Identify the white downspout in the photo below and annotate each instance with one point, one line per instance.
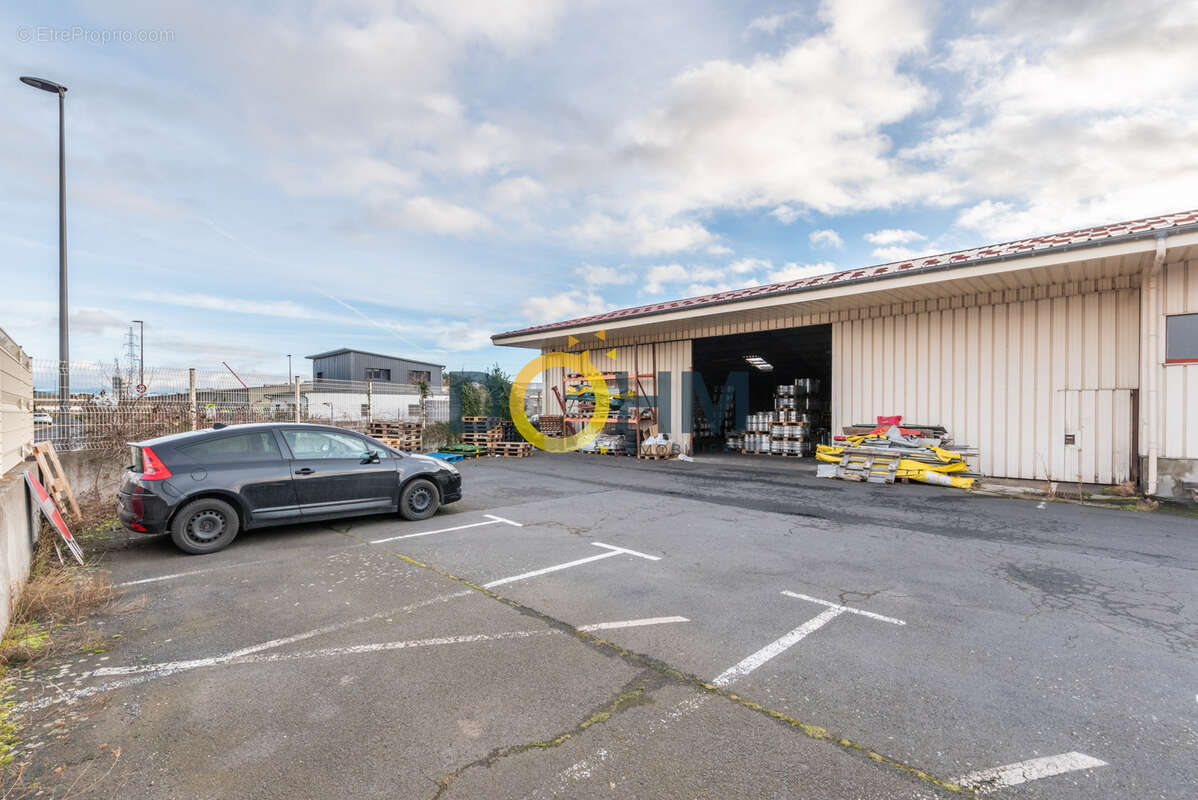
(1151, 300)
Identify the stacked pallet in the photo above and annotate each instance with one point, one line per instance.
(481, 430)
(510, 449)
(551, 424)
(400, 435)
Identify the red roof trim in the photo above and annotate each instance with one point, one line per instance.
(990, 252)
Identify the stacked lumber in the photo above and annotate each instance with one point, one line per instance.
(889, 453)
(400, 435)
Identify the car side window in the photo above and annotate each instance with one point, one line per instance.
(324, 444)
(258, 446)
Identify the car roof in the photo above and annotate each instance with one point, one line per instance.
(202, 433)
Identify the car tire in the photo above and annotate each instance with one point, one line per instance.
(419, 499)
(205, 526)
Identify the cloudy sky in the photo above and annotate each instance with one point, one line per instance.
(413, 176)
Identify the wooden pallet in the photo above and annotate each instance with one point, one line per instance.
(54, 478)
(755, 452)
(511, 449)
(405, 443)
(489, 437)
(390, 428)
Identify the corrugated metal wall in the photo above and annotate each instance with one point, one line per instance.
(16, 404)
(1179, 382)
(1009, 378)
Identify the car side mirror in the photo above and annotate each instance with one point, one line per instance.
(372, 457)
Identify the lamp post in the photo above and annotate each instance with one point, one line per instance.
(290, 377)
(64, 350)
(141, 359)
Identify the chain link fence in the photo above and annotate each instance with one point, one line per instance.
(109, 405)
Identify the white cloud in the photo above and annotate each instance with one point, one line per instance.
(565, 305)
(786, 214)
(792, 133)
(899, 253)
(894, 236)
(825, 238)
(433, 215)
(673, 239)
(516, 191)
(657, 277)
(606, 276)
(744, 266)
(795, 272)
(772, 23)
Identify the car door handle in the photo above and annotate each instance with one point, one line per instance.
(305, 471)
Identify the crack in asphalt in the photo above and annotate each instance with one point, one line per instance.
(634, 693)
(674, 675)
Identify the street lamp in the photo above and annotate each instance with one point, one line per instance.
(64, 350)
(141, 359)
(290, 377)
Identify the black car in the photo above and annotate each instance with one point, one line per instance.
(205, 486)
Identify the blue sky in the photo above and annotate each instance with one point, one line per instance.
(411, 177)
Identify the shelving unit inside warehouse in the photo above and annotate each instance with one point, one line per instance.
(632, 417)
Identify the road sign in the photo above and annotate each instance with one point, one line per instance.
(141, 388)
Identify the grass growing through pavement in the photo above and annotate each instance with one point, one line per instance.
(52, 612)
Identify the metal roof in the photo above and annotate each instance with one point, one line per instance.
(341, 350)
(1097, 235)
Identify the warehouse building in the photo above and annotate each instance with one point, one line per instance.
(1071, 357)
(345, 364)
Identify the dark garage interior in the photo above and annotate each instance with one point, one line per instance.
(780, 357)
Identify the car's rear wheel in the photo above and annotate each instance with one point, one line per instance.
(419, 499)
(204, 526)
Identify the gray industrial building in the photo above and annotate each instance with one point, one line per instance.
(345, 364)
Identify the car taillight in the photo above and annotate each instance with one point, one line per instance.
(152, 467)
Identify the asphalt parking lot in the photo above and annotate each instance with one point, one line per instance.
(580, 626)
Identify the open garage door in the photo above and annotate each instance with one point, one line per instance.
(770, 359)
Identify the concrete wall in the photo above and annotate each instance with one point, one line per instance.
(90, 472)
(16, 538)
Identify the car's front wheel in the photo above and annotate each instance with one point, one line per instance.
(204, 526)
(419, 499)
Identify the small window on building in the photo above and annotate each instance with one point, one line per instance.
(366, 409)
(419, 375)
(375, 374)
(319, 375)
(1181, 338)
(413, 410)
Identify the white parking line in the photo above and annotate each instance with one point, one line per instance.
(631, 623)
(206, 570)
(493, 520)
(776, 647)
(987, 780)
(849, 609)
(583, 769)
(612, 551)
(141, 673)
